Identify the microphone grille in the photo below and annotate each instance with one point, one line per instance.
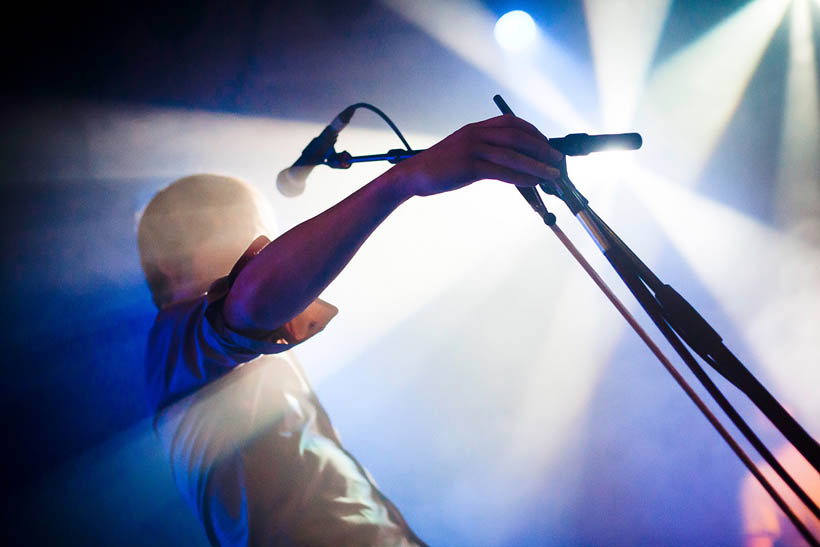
(288, 185)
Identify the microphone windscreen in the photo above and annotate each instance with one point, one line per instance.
(581, 144)
(291, 181)
(621, 141)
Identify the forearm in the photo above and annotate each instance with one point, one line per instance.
(294, 269)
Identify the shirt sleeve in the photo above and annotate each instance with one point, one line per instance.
(308, 323)
(191, 345)
(233, 341)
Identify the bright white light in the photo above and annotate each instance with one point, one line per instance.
(535, 83)
(736, 256)
(691, 97)
(515, 31)
(623, 41)
(797, 198)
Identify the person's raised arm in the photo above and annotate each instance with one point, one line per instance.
(294, 269)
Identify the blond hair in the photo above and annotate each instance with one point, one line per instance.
(185, 219)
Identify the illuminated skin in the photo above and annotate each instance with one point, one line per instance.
(293, 270)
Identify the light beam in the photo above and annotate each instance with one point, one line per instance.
(797, 196)
(623, 37)
(767, 282)
(691, 97)
(470, 39)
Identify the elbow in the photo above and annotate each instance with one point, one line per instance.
(257, 313)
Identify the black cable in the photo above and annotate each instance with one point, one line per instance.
(349, 111)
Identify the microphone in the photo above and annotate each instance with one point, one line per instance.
(291, 181)
(581, 144)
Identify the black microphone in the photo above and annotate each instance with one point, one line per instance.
(581, 144)
(291, 181)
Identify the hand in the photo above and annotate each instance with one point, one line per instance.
(504, 148)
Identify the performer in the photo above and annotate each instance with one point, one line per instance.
(251, 449)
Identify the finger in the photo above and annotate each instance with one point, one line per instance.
(489, 170)
(509, 120)
(524, 142)
(512, 159)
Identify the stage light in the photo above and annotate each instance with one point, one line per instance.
(537, 84)
(515, 31)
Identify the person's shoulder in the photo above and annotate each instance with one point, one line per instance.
(182, 308)
(166, 343)
(176, 315)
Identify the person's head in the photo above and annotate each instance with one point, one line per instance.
(193, 231)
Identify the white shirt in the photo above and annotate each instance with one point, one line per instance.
(252, 451)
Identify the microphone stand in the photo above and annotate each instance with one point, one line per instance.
(679, 322)
(670, 311)
(575, 144)
(343, 160)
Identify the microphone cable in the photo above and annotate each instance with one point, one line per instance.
(347, 113)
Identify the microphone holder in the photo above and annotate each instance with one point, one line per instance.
(343, 160)
(574, 144)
